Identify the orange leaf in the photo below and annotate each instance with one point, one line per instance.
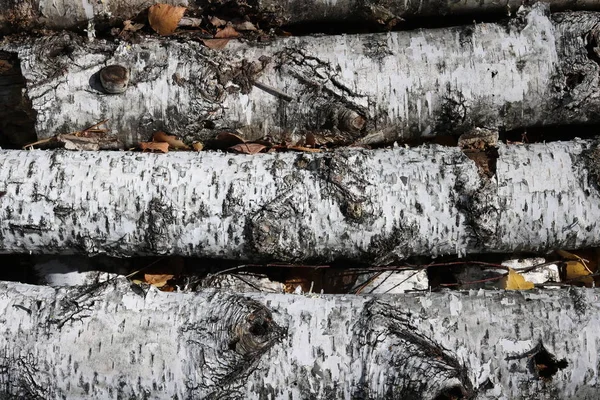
(248, 148)
(227, 32)
(163, 147)
(164, 18)
(198, 146)
(172, 140)
(158, 280)
(215, 44)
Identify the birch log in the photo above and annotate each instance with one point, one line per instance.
(371, 206)
(70, 14)
(370, 88)
(111, 342)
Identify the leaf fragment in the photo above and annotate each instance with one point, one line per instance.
(248, 148)
(164, 18)
(227, 33)
(215, 44)
(172, 140)
(198, 146)
(158, 280)
(162, 147)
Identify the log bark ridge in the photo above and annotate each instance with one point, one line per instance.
(369, 88)
(371, 206)
(110, 341)
(71, 14)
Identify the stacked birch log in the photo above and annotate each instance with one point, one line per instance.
(369, 199)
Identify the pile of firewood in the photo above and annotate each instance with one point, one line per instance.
(287, 199)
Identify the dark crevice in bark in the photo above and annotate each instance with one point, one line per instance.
(366, 25)
(475, 271)
(16, 113)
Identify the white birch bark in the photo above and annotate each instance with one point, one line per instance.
(109, 341)
(70, 14)
(371, 206)
(371, 88)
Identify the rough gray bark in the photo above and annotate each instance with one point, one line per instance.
(372, 206)
(70, 14)
(370, 88)
(109, 341)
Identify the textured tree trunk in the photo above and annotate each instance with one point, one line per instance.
(109, 341)
(372, 206)
(70, 14)
(368, 88)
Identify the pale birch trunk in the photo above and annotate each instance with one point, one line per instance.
(70, 14)
(531, 71)
(371, 206)
(109, 341)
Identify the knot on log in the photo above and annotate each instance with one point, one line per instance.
(225, 344)
(254, 333)
(416, 365)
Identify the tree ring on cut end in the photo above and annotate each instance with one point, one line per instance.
(114, 78)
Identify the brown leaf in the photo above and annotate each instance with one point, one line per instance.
(245, 26)
(164, 18)
(310, 139)
(198, 146)
(215, 44)
(172, 140)
(162, 147)
(227, 32)
(130, 27)
(217, 22)
(248, 148)
(158, 280)
(227, 139)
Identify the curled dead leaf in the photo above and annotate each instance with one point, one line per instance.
(162, 147)
(215, 44)
(128, 26)
(225, 140)
(172, 140)
(158, 280)
(245, 26)
(198, 146)
(164, 18)
(227, 33)
(248, 148)
(217, 22)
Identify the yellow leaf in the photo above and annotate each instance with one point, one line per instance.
(164, 18)
(198, 146)
(514, 281)
(578, 271)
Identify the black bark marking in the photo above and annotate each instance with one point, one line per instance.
(416, 364)
(236, 332)
(540, 362)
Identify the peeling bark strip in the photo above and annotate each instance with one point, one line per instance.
(69, 14)
(371, 206)
(110, 342)
(370, 88)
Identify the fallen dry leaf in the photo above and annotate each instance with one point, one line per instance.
(163, 147)
(131, 27)
(164, 18)
(227, 33)
(217, 22)
(158, 280)
(172, 140)
(514, 281)
(198, 146)
(215, 44)
(245, 26)
(225, 140)
(248, 148)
